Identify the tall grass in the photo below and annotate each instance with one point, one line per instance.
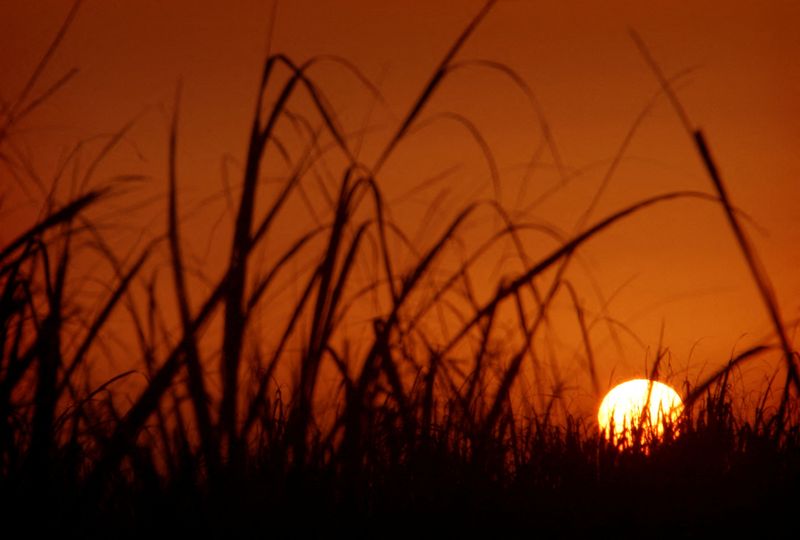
(412, 427)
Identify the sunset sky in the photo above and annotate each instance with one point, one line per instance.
(677, 263)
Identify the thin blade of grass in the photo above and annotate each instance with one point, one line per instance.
(754, 264)
(197, 388)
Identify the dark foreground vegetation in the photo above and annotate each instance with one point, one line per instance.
(423, 436)
(717, 477)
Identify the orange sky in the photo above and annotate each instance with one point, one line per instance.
(677, 263)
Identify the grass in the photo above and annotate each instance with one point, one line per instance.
(423, 424)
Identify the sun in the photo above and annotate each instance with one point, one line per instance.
(622, 410)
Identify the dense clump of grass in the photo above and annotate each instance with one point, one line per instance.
(413, 431)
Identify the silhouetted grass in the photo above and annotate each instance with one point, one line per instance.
(413, 437)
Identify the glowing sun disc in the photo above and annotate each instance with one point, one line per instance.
(623, 406)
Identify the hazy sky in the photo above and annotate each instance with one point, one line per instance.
(677, 264)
